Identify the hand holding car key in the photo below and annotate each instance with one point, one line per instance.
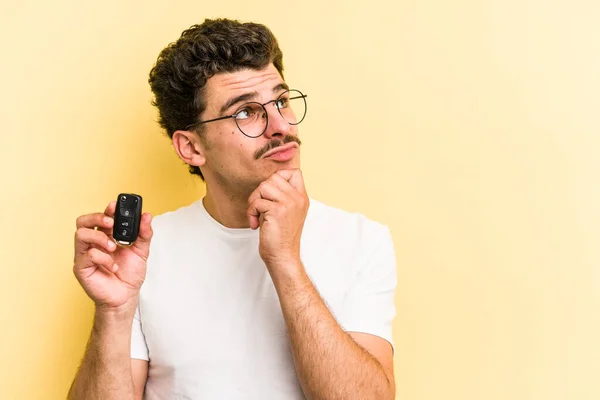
(111, 249)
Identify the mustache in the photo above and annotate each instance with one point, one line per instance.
(276, 143)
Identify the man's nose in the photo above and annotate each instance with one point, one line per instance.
(278, 126)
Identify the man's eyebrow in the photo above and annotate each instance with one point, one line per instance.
(249, 96)
(237, 99)
(281, 86)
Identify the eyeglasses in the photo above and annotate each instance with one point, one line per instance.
(252, 118)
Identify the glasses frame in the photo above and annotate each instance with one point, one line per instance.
(302, 96)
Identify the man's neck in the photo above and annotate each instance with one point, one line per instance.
(226, 208)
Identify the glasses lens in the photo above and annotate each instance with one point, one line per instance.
(251, 118)
(292, 106)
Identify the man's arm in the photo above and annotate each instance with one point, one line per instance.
(330, 364)
(107, 370)
(111, 276)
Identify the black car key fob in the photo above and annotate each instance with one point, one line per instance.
(127, 218)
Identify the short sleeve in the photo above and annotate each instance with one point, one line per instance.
(139, 349)
(369, 306)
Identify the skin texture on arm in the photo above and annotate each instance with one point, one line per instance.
(331, 364)
(381, 350)
(105, 372)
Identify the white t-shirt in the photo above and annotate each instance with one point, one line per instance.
(209, 320)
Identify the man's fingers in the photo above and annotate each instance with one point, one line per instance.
(267, 190)
(294, 177)
(142, 244)
(285, 173)
(86, 238)
(94, 220)
(281, 187)
(281, 183)
(145, 233)
(98, 258)
(275, 188)
(257, 207)
(110, 209)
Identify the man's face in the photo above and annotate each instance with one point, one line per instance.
(232, 159)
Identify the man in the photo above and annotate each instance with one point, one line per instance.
(255, 291)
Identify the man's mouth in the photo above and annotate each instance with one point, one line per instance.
(275, 146)
(282, 153)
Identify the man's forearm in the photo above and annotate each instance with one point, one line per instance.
(105, 372)
(329, 364)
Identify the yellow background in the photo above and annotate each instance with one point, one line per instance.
(470, 127)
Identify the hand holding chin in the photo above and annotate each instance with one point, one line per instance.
(279, 206)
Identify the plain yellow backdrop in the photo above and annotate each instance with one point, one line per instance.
(470, 127)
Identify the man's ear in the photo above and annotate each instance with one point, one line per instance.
(189, 148)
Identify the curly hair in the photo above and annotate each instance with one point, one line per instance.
(216, 46)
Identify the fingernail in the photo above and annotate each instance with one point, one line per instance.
(115, 267)
(107, 220)
(111, 244)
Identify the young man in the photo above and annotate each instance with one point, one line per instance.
(255, 291)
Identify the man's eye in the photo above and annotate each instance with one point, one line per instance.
(282, 103)
(244, 113)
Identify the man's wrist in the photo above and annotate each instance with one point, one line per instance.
(113, 317)
(287, 273)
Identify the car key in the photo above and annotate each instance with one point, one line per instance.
(127, 218)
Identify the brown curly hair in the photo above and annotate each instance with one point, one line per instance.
(182, 69)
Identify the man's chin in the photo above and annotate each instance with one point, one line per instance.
(269, 168)
(291, 164)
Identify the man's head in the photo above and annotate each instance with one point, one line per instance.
(211, 73)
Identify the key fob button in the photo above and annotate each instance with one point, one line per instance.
(125, 212)
(126, 223)
(125, 231)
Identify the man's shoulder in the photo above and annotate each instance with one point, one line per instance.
(349, 240)
(176, 219)
(323, 217)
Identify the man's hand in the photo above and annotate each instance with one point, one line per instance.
(279, 206)
(110, 275)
